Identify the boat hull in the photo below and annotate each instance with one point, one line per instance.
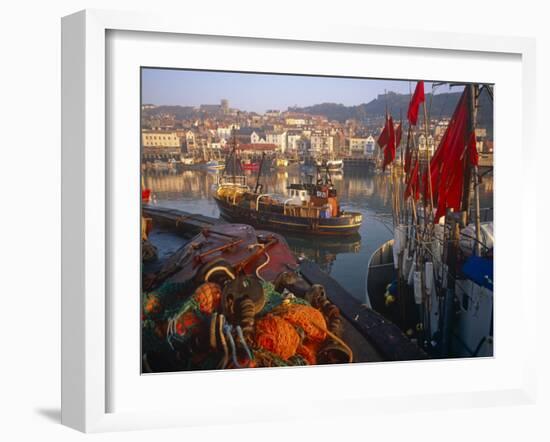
(472, 330)
(336, 226)
(380, 273)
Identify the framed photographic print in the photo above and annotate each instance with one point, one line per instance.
(289, 213)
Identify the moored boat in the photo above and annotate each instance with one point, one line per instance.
(335, 165)
(435, 278)
(469, 324)
(215, 164)
(311, 208)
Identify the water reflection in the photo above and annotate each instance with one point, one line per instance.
(346, 258)
(324, 251)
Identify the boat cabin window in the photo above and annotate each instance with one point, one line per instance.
(297, 193)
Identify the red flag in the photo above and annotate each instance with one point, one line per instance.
(417, 98)
(383, 138)
(413, 182)
(447, 164)
(398, 135)
(389, 151)
(472, 146)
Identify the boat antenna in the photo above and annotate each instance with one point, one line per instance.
(328, 177)
(235, 148)
(471, 94)
(259, 173)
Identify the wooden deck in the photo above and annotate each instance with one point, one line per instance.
(184, 223)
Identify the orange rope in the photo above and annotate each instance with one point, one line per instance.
(309, 319)
(277, 336)
(276, 332)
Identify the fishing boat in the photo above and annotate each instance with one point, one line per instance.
(434, 279)
(229, 296)
(215, 165)
(310, 208)
(187, 161)
(335, 165)
(159, 165)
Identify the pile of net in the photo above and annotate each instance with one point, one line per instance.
(246, 323)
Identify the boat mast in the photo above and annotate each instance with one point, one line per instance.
(474, 93)
(259, 173)
(470, 170)
(428, 160)
(470, 97)
(235, 148)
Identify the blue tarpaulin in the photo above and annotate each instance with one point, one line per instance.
(479, 270)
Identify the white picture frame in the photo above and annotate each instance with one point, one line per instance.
(85, 215)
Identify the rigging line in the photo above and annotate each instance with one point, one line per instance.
(384, 224)
(443, 242)
(447, 272)
(489, 90)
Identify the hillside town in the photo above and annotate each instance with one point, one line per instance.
(209, 130)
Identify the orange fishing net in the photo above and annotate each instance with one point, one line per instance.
(208, 296)
(277, 336)
(152, 304)
(187, 323)
(309, 319)
(309, 352)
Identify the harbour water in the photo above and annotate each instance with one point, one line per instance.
(345, 259)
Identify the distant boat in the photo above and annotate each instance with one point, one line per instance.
(331, 165)
(215, 164)
(160, 165)
(335, 165)
(187, 161)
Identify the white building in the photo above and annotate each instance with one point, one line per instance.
(255, 138)
(371, 146)
(277, 138)
(293, 142)
(321, 144)
(224, 132)
(358, 146)
(190, 140)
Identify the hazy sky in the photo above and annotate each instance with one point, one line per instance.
(260, 92)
